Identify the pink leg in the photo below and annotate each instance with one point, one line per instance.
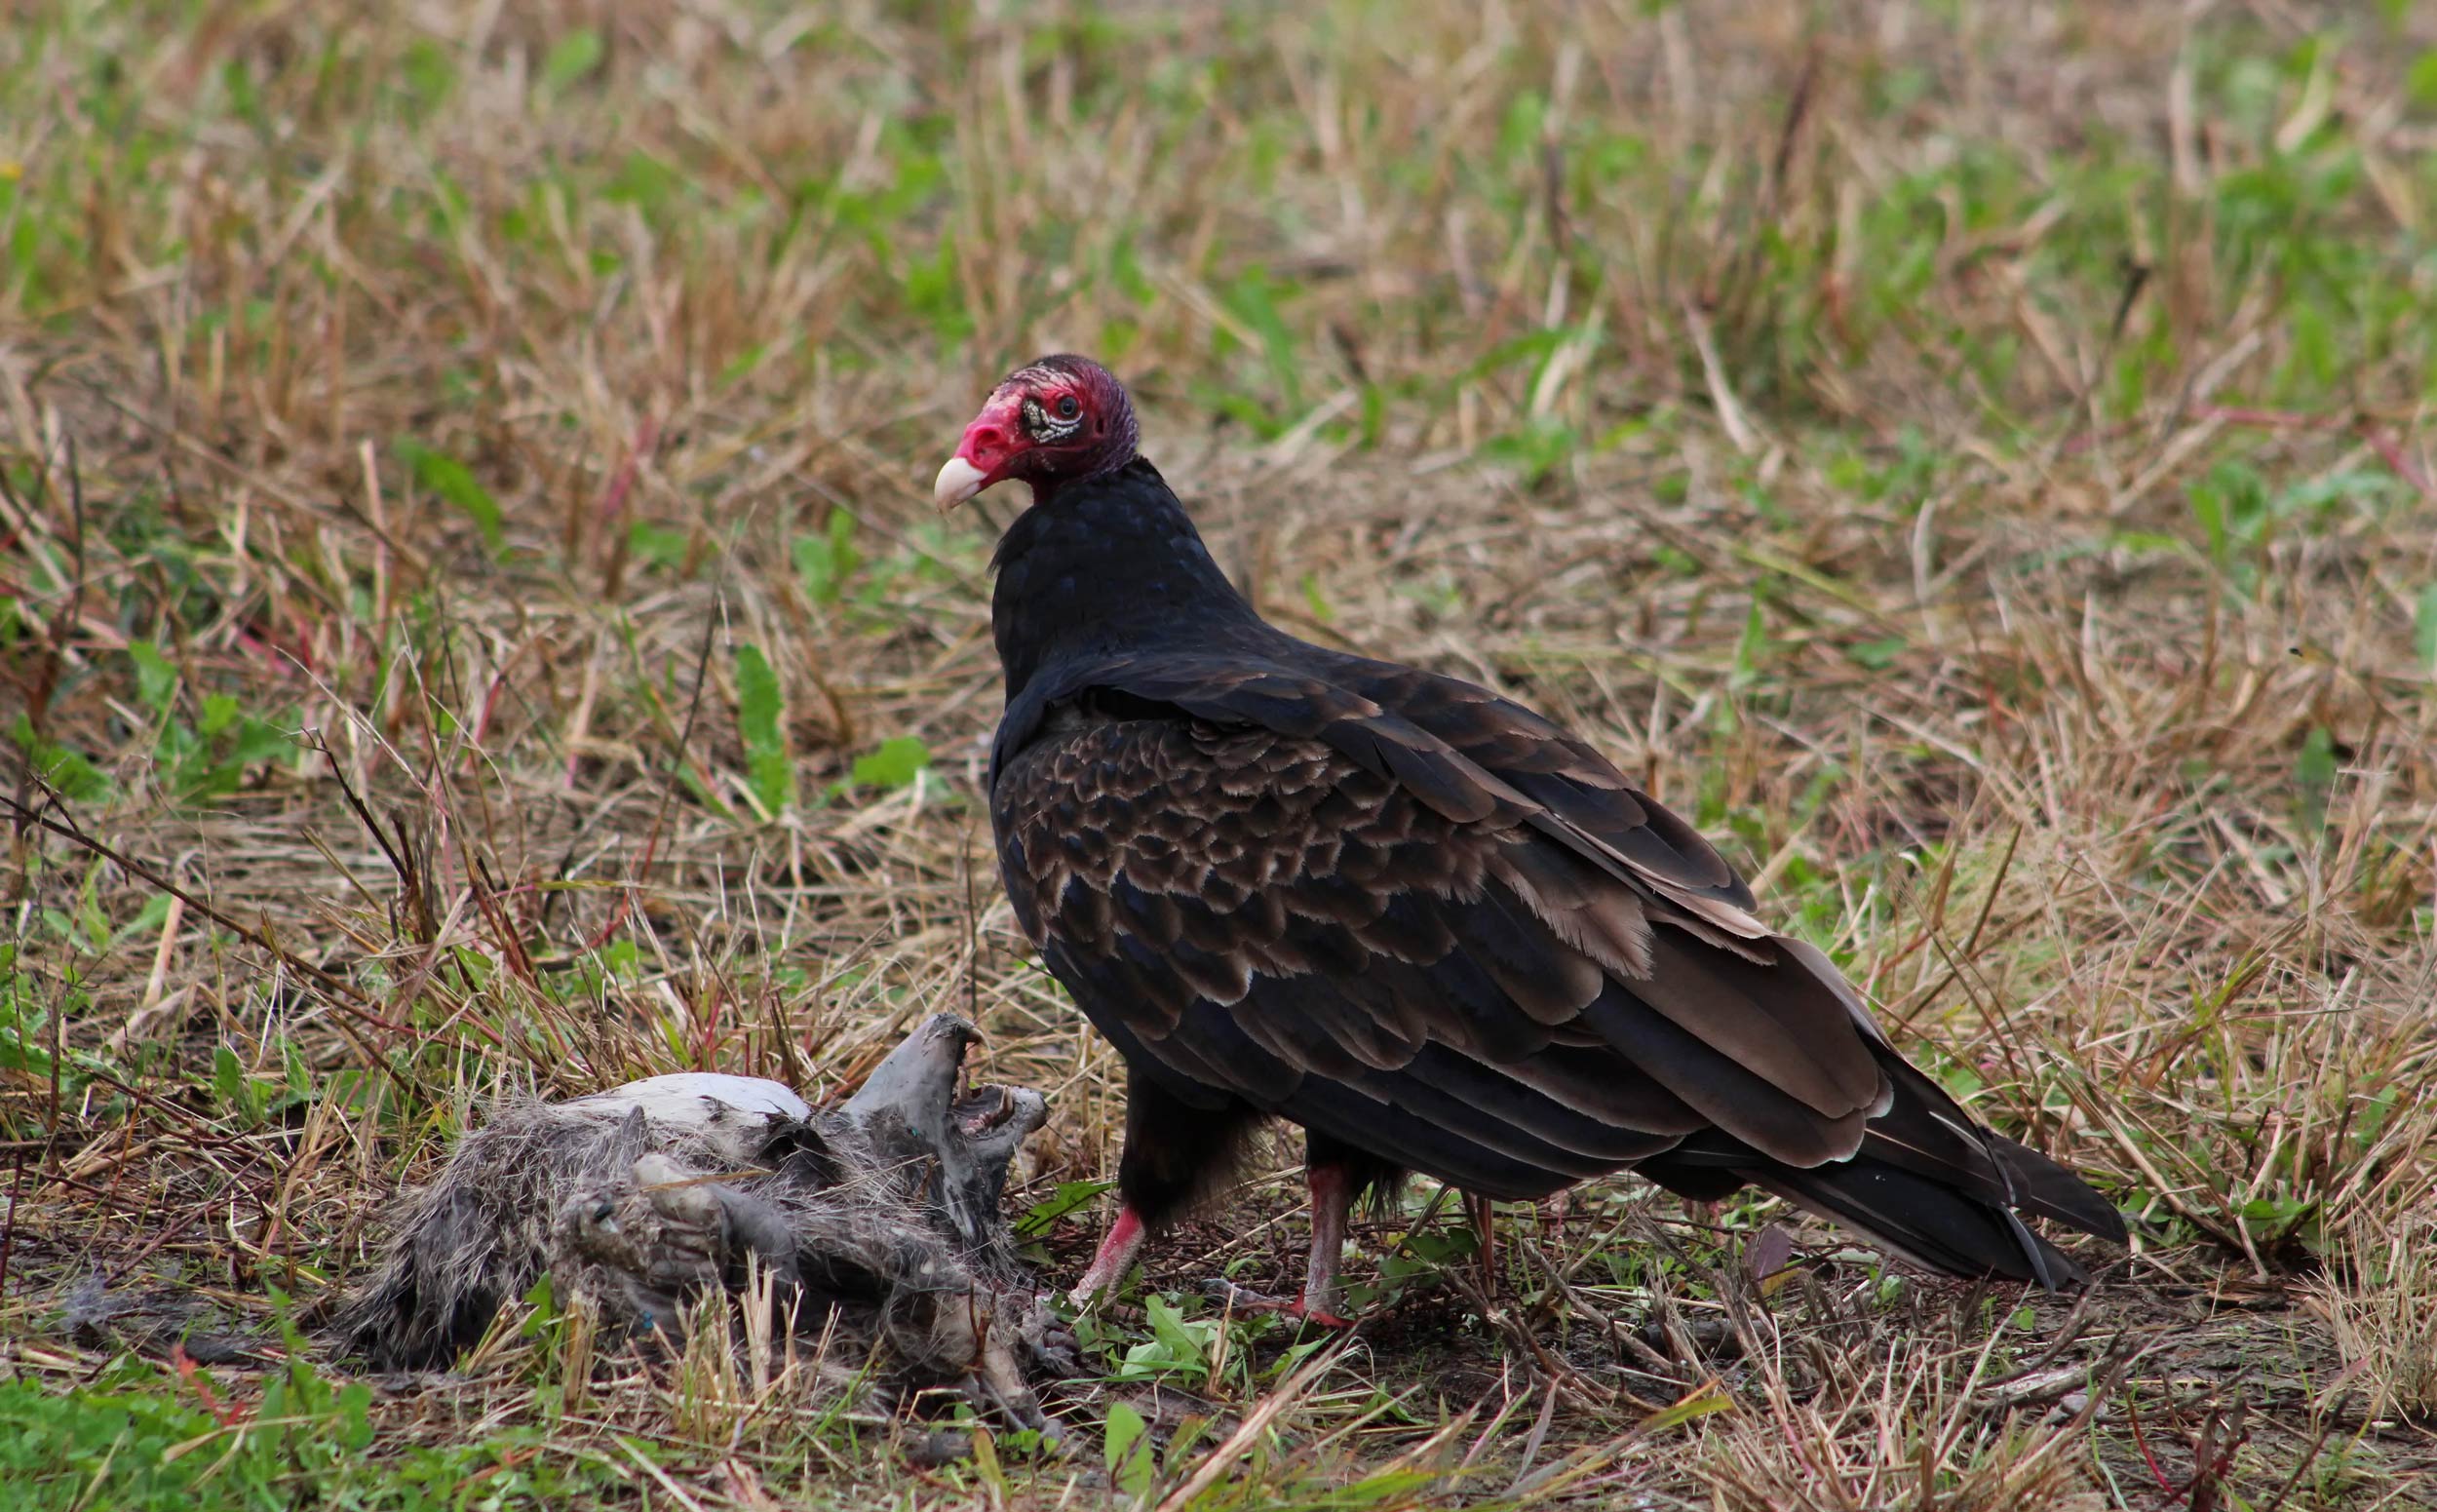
(1331, 1196)
(1116, 1253)
(1553, 1210)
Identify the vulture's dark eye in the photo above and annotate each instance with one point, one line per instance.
(1068, 407)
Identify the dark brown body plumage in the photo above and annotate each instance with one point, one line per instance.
(1436, 970)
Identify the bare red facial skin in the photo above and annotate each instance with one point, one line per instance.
(1059, 419)
(995, 435)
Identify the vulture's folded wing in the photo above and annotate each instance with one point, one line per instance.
(1262, 917)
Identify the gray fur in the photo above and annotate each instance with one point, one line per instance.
(878, 1221)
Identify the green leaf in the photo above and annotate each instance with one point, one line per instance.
(1069, 1198)
(571, 58)
(156, 681)
(78, 780)
(2421, 81)
(1374, 415)
(1702, 1403)
(659, 545)
(1187, 1343)
(355, 1412)
(542, 1298)
(1877, 655)
(146, 922)
(258, 741)
(1751, 649)
(427, 73)
(1534, 450)
(2313, 776)
(826, 560)
(643, 179)
(1124, 1445)
(1252, 299)
(1125, 270)
(770, 769)
(701, 793)
(1317, 600)
(894, 765)
(2311, 366)
(2148, 543)
(2376, 1110)
(455, 483)
(2425, 628)
(229, 1080)
(935, 291)
(2210, 511)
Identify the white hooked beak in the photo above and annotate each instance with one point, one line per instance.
(958, 480)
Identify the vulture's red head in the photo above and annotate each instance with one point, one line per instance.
(1051, 422)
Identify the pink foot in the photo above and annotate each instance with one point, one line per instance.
(1108, 1266)
(1238, 1298)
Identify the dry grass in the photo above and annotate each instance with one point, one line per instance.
(1972, 458)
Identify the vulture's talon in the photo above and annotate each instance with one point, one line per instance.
(1244, 1300)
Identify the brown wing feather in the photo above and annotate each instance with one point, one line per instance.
(1467, 753)
(1573, 784)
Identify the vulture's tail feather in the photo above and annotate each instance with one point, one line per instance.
(1932, 1220)
(1926, 1222)
(2049, 1191)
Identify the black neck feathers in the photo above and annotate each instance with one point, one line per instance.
(1104, 565)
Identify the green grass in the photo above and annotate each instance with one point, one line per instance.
(138, 1439)
(465, 551)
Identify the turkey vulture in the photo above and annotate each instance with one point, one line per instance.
(1414, 917)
